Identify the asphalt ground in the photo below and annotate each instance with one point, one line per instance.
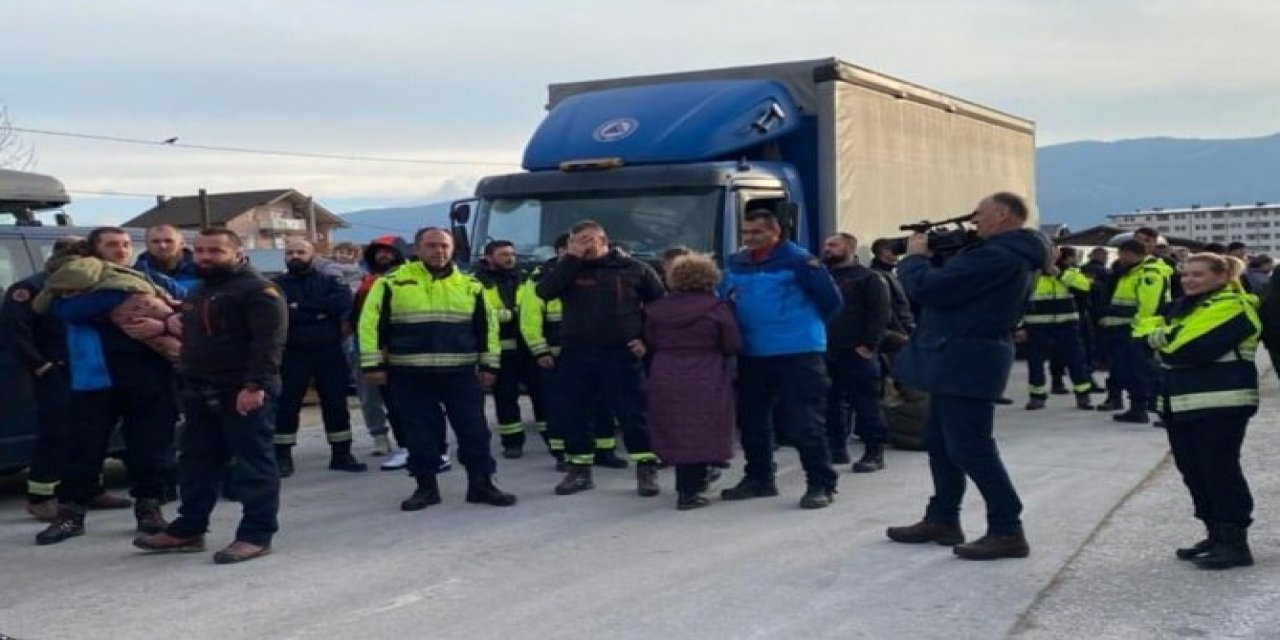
(1104, 510)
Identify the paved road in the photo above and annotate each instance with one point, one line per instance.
(610, 564)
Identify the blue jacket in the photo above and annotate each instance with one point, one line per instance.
(963, 343)
(184, 275)
(782, 302)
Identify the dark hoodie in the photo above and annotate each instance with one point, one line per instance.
(396, 244)
(969, 306)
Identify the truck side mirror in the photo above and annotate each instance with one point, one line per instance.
(460, 212)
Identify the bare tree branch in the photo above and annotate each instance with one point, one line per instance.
(15, 153)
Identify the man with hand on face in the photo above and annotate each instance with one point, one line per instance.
(233, 338)
(603, 294)
(318, 304)
(168, 255)
(502, 281)
(424, 330)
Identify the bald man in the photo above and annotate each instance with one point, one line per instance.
(318, 305)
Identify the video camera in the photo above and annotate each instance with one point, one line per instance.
(946, 237)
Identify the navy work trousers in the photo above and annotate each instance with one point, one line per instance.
(423, 399)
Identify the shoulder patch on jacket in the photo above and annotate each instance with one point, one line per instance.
(20, 294)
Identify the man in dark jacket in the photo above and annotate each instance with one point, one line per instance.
(783, 298)
(38, 343)
(603, 293)
(233, 337)
(853, 339)
(318, 304)
(961, 354)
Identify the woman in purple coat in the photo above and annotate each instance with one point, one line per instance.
(691, 333)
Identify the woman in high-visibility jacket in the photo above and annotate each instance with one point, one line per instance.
(1206, 343)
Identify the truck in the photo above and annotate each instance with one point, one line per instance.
(677, 159)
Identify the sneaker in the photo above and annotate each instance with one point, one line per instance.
(396, 461)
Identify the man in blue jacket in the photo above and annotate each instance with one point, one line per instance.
(168, 255)
(961, 353)
(318, 305)
(783, 297)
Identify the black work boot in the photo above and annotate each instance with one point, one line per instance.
(342, 460)
(68, 524)
(608, 459)
(513, 446)
(840, 454)
(1135, 415)
(576, 479)
(1083, 402)
(562, 465)
(872, 459)
(1036, 402)
(481, 490)
(816, 497)
(994, 547)
(149, 516)
(1110, 404)
(647, 479)
(690, 501)
(1230, 549)
(924, 531)
(284, 460)
(749, 488)
(1198, 549)
(427, 494)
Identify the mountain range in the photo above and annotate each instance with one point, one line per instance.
(1078, 183)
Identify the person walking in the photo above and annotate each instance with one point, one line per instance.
(1205, 343)
(691, 334)
(782, 298)
(233, 334)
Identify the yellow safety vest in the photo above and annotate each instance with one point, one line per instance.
(1206, 356)
(539, 319)
(1053, 300)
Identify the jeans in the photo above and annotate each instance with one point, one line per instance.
(958, 436)
(793, 389)
(217, 435)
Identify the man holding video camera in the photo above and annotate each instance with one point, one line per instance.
(961, 353)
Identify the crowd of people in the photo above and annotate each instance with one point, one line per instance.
(777, 346)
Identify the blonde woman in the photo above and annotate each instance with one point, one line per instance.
(1208, 392)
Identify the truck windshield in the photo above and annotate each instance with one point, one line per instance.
(645, 222)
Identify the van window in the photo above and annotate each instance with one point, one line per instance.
(14, 264)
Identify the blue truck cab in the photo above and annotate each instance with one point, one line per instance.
(677, 159)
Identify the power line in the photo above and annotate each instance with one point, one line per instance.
(265, 152)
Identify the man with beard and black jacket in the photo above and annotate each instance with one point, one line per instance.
(603, 294)
(502, 280)
(961, 354)
(318, 305)
(233, 336)
(853, 339)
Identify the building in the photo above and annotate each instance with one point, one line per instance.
(262, 219)
(1257, 225)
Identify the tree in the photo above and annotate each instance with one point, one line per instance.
(15, 153)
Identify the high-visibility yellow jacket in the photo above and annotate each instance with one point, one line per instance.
(501, 294)
(1206, 348)
(1139, 296)
(1053, 301)
(539, 319)
(413, 318)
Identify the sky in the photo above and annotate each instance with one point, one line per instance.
(466, 82)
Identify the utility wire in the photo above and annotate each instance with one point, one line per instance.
(265, 152)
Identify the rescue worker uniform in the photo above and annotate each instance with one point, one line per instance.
(115, 381)
(1052, 325)
(855, 380)
(540, 331)
(1140, 293)
(233, 334)
(318, 304)
(502, 292)
(1208, 392)
(602, 301)
(429, 330)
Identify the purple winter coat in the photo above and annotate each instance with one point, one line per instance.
(690, 387)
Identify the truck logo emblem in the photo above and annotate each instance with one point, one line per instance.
(615, 130)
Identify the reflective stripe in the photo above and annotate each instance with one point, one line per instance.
(1058, 318)
(432, 359)
(554, 316)
(540, 427)
(415, 317)
(1083, 387)
(508, 345)
(1037, 391)
(41, 488)
(1213, 400)
(606, 443)
(286, 438)
(556, 444)
(1111, 321)
(643, 457)
(335, 437)
(370, 358)
(581, 459)
(511, 428)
